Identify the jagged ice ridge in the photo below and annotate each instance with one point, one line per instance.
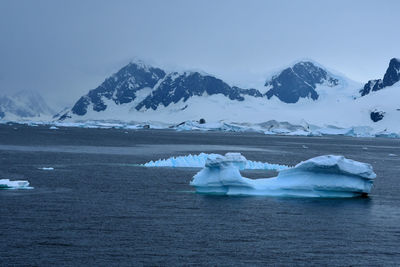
(199, 161)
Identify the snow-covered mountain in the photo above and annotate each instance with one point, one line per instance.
(299, 81)
(24, 105)
(143, 87)
(391, 77)
(303, 93)
(138, 89)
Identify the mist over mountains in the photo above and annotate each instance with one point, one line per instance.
(24, 104)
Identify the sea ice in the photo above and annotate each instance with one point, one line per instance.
(323, 176)
(199, 161)
(47, 168)
(7, 184)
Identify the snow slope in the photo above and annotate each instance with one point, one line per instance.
(338, 103)
(329, 109)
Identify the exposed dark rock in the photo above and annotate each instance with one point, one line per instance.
(176, 87)
(377, 115)
(391, 77)
(371, 85)
(120, 87)
(202, 121)
(65, 116)
(298, 82)
(392, 74)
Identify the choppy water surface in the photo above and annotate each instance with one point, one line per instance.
(98, 208)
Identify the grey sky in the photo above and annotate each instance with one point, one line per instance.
(65, 48)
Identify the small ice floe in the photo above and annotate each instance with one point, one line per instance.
(7, 184)
(46, 168)
(304, 146)
(365, 148)
(323, 176)
(199, 161)
(53, 128)
(392, 155)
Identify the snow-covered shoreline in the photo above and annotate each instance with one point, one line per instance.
(271, 127)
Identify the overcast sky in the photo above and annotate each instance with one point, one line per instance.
(64, 48)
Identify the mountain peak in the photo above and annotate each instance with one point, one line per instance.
(121, 87)
(299, 81)
(392, 76)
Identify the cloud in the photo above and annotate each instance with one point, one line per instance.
(65, 48)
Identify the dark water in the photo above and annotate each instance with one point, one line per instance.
(98, 209)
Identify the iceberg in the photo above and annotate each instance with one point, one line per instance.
(387, 134)
(323, 176)
(46, 168)
(7, 184)
(199, 161)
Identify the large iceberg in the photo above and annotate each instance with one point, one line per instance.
(199, 161)
(7, 184)
(323, 176)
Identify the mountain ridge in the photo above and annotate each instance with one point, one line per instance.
(391, 76)
(172, 87)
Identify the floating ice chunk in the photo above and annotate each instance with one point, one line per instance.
(392, 155)
(324, 176)
(47, 168)
(387, 134)
(299, 133)
(333, 131)
(199, 161)
(7, 184)
(53, 128)
(362, 131)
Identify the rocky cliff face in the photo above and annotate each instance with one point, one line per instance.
(120, 87)
(166, 88)
(176, 87)
(391, 77)
(299, 81)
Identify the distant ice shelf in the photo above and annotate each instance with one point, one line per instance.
(271, 127)
(199, 161)
(7, 184)
(323, 176)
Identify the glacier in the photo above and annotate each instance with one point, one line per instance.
(327, 176)
(7, 184)
(199, 161)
